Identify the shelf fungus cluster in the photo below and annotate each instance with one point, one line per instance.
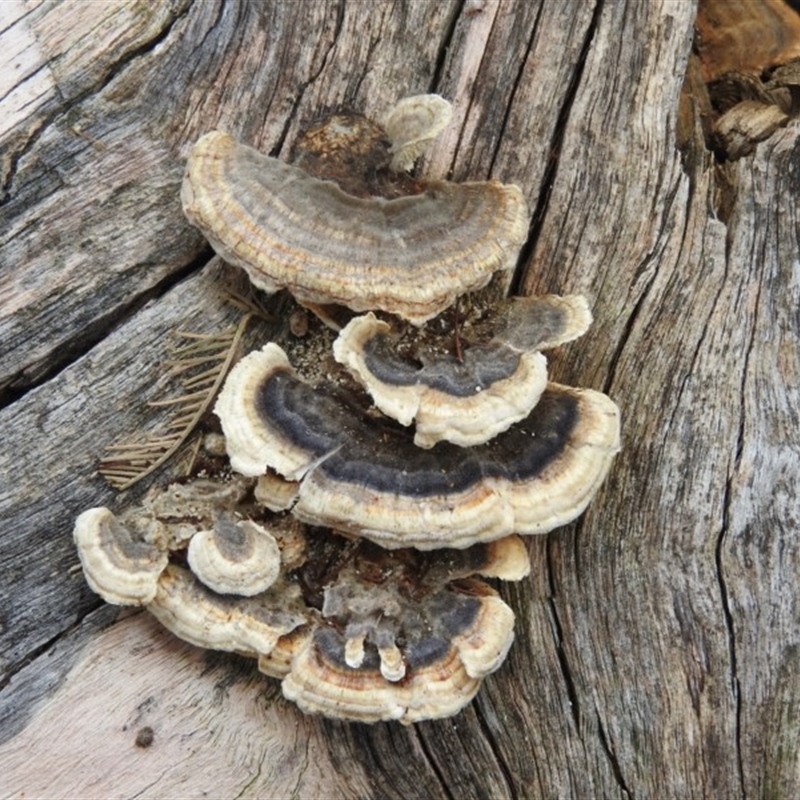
(345, 537)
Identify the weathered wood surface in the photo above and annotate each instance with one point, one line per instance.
(658, 637)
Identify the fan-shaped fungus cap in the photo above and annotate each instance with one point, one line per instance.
(204, 618)
(411, 256)
(235, 557)
(454, 641)
(470, 400)
(121, 567)
(465, 402)
(413, 124)
(365, 477)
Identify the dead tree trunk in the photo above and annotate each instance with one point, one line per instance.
(658, 637)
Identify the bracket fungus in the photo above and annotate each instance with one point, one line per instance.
(120, 566)
(412, 125)
(470, 400)
(445, 665)
(235, 557)
(348, 550)
(366, 477)
(411, 256)
(248, 625)
(403, 635)
(353, 630)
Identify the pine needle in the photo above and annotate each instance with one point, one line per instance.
(129, 461)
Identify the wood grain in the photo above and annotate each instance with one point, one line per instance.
(657, 637)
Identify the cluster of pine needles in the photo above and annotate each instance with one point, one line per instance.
(202, 361)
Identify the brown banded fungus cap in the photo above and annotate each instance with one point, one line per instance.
(122, 567)
(366, 477)
(403, 634)
(413, 124)
(455, 641)
(470, 400)
(235, 557)
(248, 625)
(410, 256)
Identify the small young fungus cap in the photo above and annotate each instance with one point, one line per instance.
(120, 566)
(235, 557)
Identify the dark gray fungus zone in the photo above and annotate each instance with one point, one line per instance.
(381, 455)
(483, 365)
(232, 541)
(425, 635)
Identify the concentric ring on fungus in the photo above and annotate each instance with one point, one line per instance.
(235, 557)
(120, 565)
(410, 256)
(366, 477)
(353, 631)
(467, 400)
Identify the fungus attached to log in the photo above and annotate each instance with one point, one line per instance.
(450, 642)
(120, 566)
(377, 611)
(411, 256)
(249, 625)
(366, 477)
(413, 124)
(470, 400)
(235, 557)
(402, 634)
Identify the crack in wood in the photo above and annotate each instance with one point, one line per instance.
(17, 702)
(627, 331)
(690, 371)
(467, 110)
(731, 635)
(298, 98)
(46, 647)
(446, 792)
(608, 750)
(35, 375)
(264, 753)
(444, 47)
(558, 639)
(727, 613)
(515, 87)
(502, 765)
(67, 106)
(554, 153)
(150, 785)
(17, 20)
(352, 92)
(301, 772)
